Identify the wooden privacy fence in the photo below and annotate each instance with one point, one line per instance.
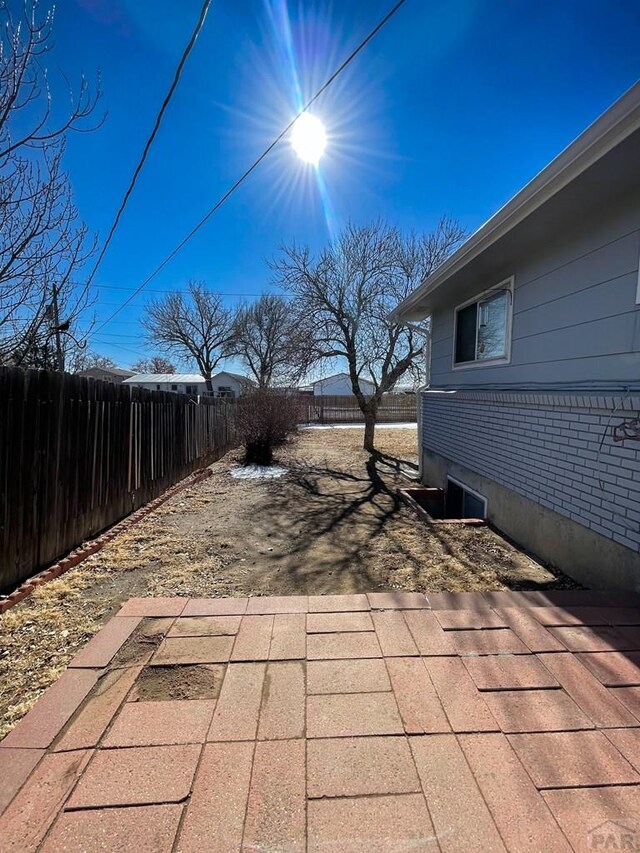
(394, 408)
(77, 455)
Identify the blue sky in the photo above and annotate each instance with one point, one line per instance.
(451, 109)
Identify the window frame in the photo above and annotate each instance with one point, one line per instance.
(471, 491)
(507, 285)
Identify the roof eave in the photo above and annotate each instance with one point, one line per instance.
(609, 130)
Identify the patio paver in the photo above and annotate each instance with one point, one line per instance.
(219, 796)
(181, 650)
(572, 760)
(288, 637)
(327, 623)
(379, 722)
(448, 783)
(145, 829)
(145, 774)
(158, 723)
(347, 676)
(370, 824)
(350, 714)
(39, 728)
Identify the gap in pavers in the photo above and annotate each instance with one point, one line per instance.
(178, 681)
(142, 642)
(429, 504)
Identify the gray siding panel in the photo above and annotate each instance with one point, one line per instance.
(619, 367)
(604, 336)
(575, 317)
(606, 299)
(603, 261)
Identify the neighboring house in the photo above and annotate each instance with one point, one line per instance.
(405, 388)
(339, 385)
(181, 383)
(227, 384)
(106, 374)
(535, 360)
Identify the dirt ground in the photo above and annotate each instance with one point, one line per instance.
(333, 524)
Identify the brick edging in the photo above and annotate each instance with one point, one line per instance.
(78, 555)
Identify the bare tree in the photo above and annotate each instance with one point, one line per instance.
(192, 326)
(271, 340)
(266, 419)
(350, 289)
(83, 360)
(43, 243)
(155, 364)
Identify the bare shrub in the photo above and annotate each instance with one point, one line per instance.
(267, 418)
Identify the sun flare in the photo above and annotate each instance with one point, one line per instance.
(309, 138)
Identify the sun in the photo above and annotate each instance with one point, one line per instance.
(309, 138)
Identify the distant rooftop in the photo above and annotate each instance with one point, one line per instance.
(116, 371)
(165, 378)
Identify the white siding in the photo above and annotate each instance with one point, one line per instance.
(339, 386)
(225, 381)
(168, 386)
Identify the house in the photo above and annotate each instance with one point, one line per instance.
(227, 384)
(182, 383)
(106, 374)
(530, 416)
(339, 385)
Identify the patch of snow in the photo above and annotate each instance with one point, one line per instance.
(258, 472)
(413, 425)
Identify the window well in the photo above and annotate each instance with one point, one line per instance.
(455, 505)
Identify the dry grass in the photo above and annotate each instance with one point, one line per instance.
(333, 525)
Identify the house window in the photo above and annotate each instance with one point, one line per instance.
(191, 389)
(174, 387)
(483, 327)
(462, 502)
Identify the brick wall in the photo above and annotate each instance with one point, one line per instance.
(546, 447)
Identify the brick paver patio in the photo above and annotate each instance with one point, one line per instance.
(381, 722)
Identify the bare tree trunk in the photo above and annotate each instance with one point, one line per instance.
(370, 414)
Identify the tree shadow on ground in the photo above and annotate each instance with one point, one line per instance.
(344, 529)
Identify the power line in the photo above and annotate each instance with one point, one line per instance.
(255, 163)
(107, 344)
(156, 127)
(118, 336)
(167, 290)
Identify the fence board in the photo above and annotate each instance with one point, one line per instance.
(77, 455)
(393, 408)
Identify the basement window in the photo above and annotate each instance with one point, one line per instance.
(482, 327)
(463, 502)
